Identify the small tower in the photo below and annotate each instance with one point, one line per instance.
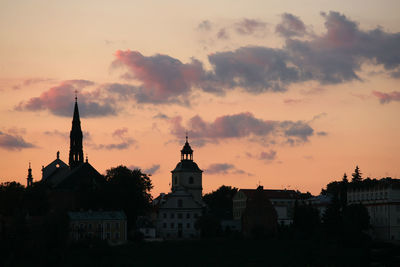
(76, 136)
(187, 174)
(29, 179)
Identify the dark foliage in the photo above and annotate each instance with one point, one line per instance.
(306, 219)
(356, 176)
(11, 198)
(128, 190)
(219, 202)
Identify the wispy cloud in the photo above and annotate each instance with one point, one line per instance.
(385, 98)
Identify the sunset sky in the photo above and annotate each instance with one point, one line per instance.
(286, 94)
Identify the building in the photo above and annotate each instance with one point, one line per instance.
(382, 200)
(283, 202)
(178, 211)
(65, 181)
(100, 225)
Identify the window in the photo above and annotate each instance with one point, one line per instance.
(180, 203)
(108, 236)
(164, 225)
(98, 226)
(175, 180)
(117, 225)
(191, 180)
(165, 215)
(108, 226)
(179, 215)
(116, 235)
(172, 215)
(90, 226)
(188, 225)
(172, 225)
(187, 215)
(195, 215)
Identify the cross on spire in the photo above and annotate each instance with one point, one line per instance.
(76, 95)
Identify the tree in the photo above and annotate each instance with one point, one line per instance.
(220, 203)
(128, 190)
(343, 191)
(355, 219)
(356, 175)
(11, 198)
(306, 218)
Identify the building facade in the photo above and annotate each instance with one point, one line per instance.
(382, 200)
(100, 225)
(178, 211)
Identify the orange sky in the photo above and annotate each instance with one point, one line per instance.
(280, 93)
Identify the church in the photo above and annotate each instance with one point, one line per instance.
(65, 181)
(178, 210)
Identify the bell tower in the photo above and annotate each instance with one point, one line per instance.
(187, 174)
(76, 149)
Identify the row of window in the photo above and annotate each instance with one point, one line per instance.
(172, 225)
(90, 236)
(90, 226)
(367, 196)
(179, 215)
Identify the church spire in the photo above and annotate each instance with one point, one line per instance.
(76, 149)
(29, 179)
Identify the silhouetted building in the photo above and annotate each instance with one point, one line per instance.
(100, 225)
(178, 211)
(382, 200)
(29, 179)
(67, 181)
(282, 200)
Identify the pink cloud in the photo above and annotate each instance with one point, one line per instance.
(56, 101)
(387, 97)
(291, 101)
(242, 125)
(164, 79)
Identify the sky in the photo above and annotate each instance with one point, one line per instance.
(286, 94)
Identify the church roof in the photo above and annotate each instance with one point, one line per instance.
(83, 176)
(186, 166)
(55, 171)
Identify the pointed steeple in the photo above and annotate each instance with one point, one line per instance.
(29, 178)
(76, 136)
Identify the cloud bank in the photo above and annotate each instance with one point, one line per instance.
(333, 57)
(243, 125)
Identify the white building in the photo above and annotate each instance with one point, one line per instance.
(382, 200)
(178, 211)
